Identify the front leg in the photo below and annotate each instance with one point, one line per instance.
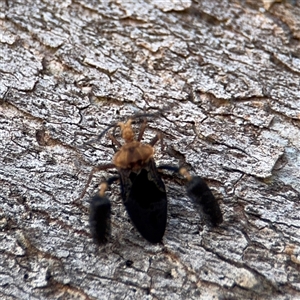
(142, 130)
(114, 141)
(158, 137)
(94, 170)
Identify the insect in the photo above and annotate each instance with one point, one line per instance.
(143, 190)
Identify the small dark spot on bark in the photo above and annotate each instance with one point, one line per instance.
(129, 263)
(48, 275)
(75, 177)
(40, 137)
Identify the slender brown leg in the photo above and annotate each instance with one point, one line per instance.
(114, 140)
(157, 137)
(94, 170)
(155, 140)
(142, 130)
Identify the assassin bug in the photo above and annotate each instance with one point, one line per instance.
(143, 190)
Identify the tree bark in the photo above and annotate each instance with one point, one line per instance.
(221, 77)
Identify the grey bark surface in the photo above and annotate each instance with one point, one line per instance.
(229, 74)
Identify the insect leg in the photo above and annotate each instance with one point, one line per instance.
(203, 198)
(142, 130)
(100, 215)
(94, 170)
(114, 141)
(200, 194)
(100, 209)
(157, 137)
(169, 168)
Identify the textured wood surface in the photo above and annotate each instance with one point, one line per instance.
(229, 74)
